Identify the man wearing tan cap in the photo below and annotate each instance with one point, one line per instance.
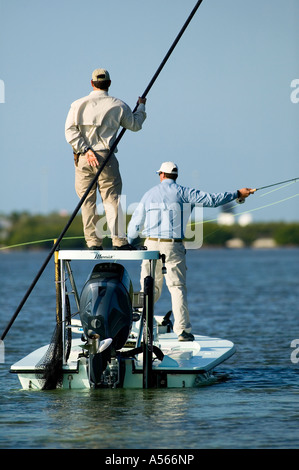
(161, 215)
(91, 128)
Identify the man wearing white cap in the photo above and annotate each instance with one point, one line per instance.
(91, 129)
(160, 214)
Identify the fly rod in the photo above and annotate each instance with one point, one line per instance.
(58, 240)
(276, 184)
(241, 200)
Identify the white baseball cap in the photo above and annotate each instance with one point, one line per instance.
(99, 75)
(168, 167)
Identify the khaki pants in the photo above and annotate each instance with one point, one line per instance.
(109, 184)
(175, 279)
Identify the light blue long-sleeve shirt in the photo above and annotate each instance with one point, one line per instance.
(164, 210)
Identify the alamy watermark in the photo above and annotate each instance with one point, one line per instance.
(295, 93)
(2, 91)
(295, 353)
(174, 221)
(2, 352)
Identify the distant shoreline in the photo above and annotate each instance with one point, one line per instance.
(36, 232)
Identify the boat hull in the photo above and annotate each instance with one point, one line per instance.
(121, 343)
(184, 365)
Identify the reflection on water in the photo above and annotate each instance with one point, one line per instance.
(121, 418)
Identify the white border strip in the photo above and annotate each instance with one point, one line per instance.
(97, 255)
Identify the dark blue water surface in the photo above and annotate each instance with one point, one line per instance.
(250, 297)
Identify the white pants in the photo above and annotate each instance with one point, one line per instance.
(175, 278)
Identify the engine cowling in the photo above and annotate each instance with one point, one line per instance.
(106, 312)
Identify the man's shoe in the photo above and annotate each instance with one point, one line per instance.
(128, 246)
(186, 336)
(95, 247)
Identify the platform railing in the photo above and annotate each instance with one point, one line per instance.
(66, 256)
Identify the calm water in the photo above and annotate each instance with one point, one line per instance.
(250, 297)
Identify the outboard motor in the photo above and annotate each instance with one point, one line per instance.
(106, 315)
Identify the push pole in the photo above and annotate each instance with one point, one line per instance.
(55, 246)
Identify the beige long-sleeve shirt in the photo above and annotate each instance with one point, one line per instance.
(93, 121)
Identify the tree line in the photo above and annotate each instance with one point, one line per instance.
(26, 231)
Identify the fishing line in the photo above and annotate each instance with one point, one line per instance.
(37, 241)
(195, 223)
(268, 205)
(241, 200)
(276, 189)
(240, 213)
(250, 210)
(276, 184)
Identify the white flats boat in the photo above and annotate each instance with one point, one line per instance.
(116, 341)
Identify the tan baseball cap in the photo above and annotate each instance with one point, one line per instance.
(168, 167)
(100, 75)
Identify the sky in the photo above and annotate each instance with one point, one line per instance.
(225, 107)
